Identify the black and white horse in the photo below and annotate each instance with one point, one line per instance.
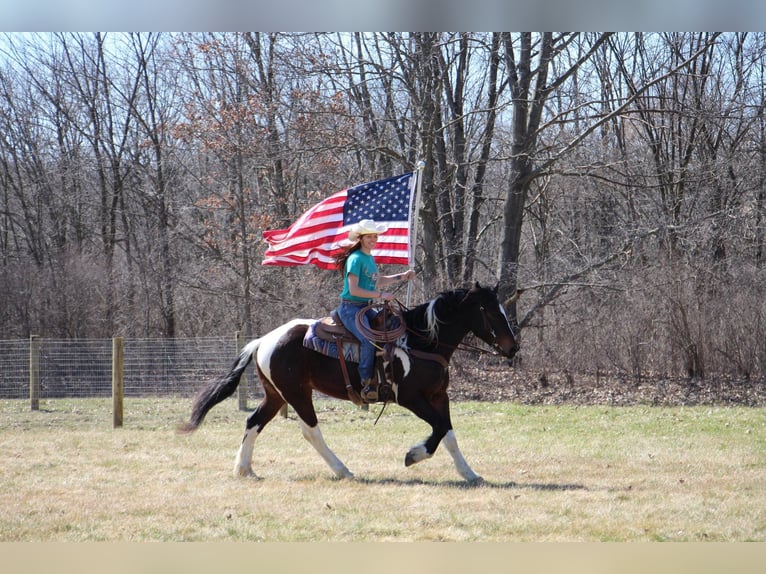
(418, 368)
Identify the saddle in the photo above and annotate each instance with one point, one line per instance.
(331, 330)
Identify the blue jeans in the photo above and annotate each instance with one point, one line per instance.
(347, 312)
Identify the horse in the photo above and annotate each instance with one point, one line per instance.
(418, 367)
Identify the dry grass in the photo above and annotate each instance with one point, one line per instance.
(553, 473)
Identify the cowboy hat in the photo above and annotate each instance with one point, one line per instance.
(366, 227)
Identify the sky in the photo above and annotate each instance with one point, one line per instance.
(381, 15)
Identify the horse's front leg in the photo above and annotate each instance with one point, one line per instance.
(450, 443)
(436, 413)
(422, 451)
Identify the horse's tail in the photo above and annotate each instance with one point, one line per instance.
(219, 389)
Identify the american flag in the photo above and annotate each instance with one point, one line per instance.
(319, 235)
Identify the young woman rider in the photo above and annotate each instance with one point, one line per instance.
(361, 284)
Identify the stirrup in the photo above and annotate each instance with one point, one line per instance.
(369, 391)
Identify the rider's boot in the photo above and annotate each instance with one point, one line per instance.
(370, 390)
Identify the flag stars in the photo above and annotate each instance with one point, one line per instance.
(386, 200)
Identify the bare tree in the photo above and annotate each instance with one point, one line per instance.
(618, 177)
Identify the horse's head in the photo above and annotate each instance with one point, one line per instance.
(488, 320)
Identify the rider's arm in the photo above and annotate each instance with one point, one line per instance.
(355, 290)
(384, 280)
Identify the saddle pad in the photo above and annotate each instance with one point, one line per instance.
(329, 348)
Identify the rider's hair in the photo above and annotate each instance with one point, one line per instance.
(340, 259)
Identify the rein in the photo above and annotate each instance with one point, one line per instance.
(391, 335)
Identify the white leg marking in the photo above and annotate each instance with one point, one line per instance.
(243, 464)
(416, 454)
(450, 443)
(314, 436)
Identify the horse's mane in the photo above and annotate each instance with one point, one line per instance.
(426, 317)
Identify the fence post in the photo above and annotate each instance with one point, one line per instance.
(242, 389)
(34, 372)
(118, 387)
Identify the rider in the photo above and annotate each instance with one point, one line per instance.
(361, 284)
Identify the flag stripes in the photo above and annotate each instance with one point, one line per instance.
(318, 235)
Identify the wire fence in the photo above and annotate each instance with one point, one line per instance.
(80, 368)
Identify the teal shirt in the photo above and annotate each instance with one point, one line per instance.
(364, 267)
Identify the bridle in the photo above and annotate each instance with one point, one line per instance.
(487, 327)
(462, 346)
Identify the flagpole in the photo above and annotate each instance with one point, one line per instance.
(414, 222)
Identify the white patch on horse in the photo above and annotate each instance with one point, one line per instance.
(404, 357)
(269, 344)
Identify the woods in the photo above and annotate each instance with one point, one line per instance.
(617, 178)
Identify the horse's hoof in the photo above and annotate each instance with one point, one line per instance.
(476, 481)
(243, 472)
(416, 454)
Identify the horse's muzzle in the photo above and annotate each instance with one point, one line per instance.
(507, 347)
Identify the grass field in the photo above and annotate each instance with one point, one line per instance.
(552, 473)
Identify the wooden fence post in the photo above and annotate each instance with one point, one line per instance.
(242, 389)
(34, 372)
(118, 388)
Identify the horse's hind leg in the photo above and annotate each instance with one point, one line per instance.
(314, 436)
(269, 407)
(304, 408)
(266, 411)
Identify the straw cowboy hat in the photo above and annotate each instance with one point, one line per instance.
(366, 227)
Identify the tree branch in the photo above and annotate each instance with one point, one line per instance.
(555, 288)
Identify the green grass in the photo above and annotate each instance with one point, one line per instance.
(552, 473)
